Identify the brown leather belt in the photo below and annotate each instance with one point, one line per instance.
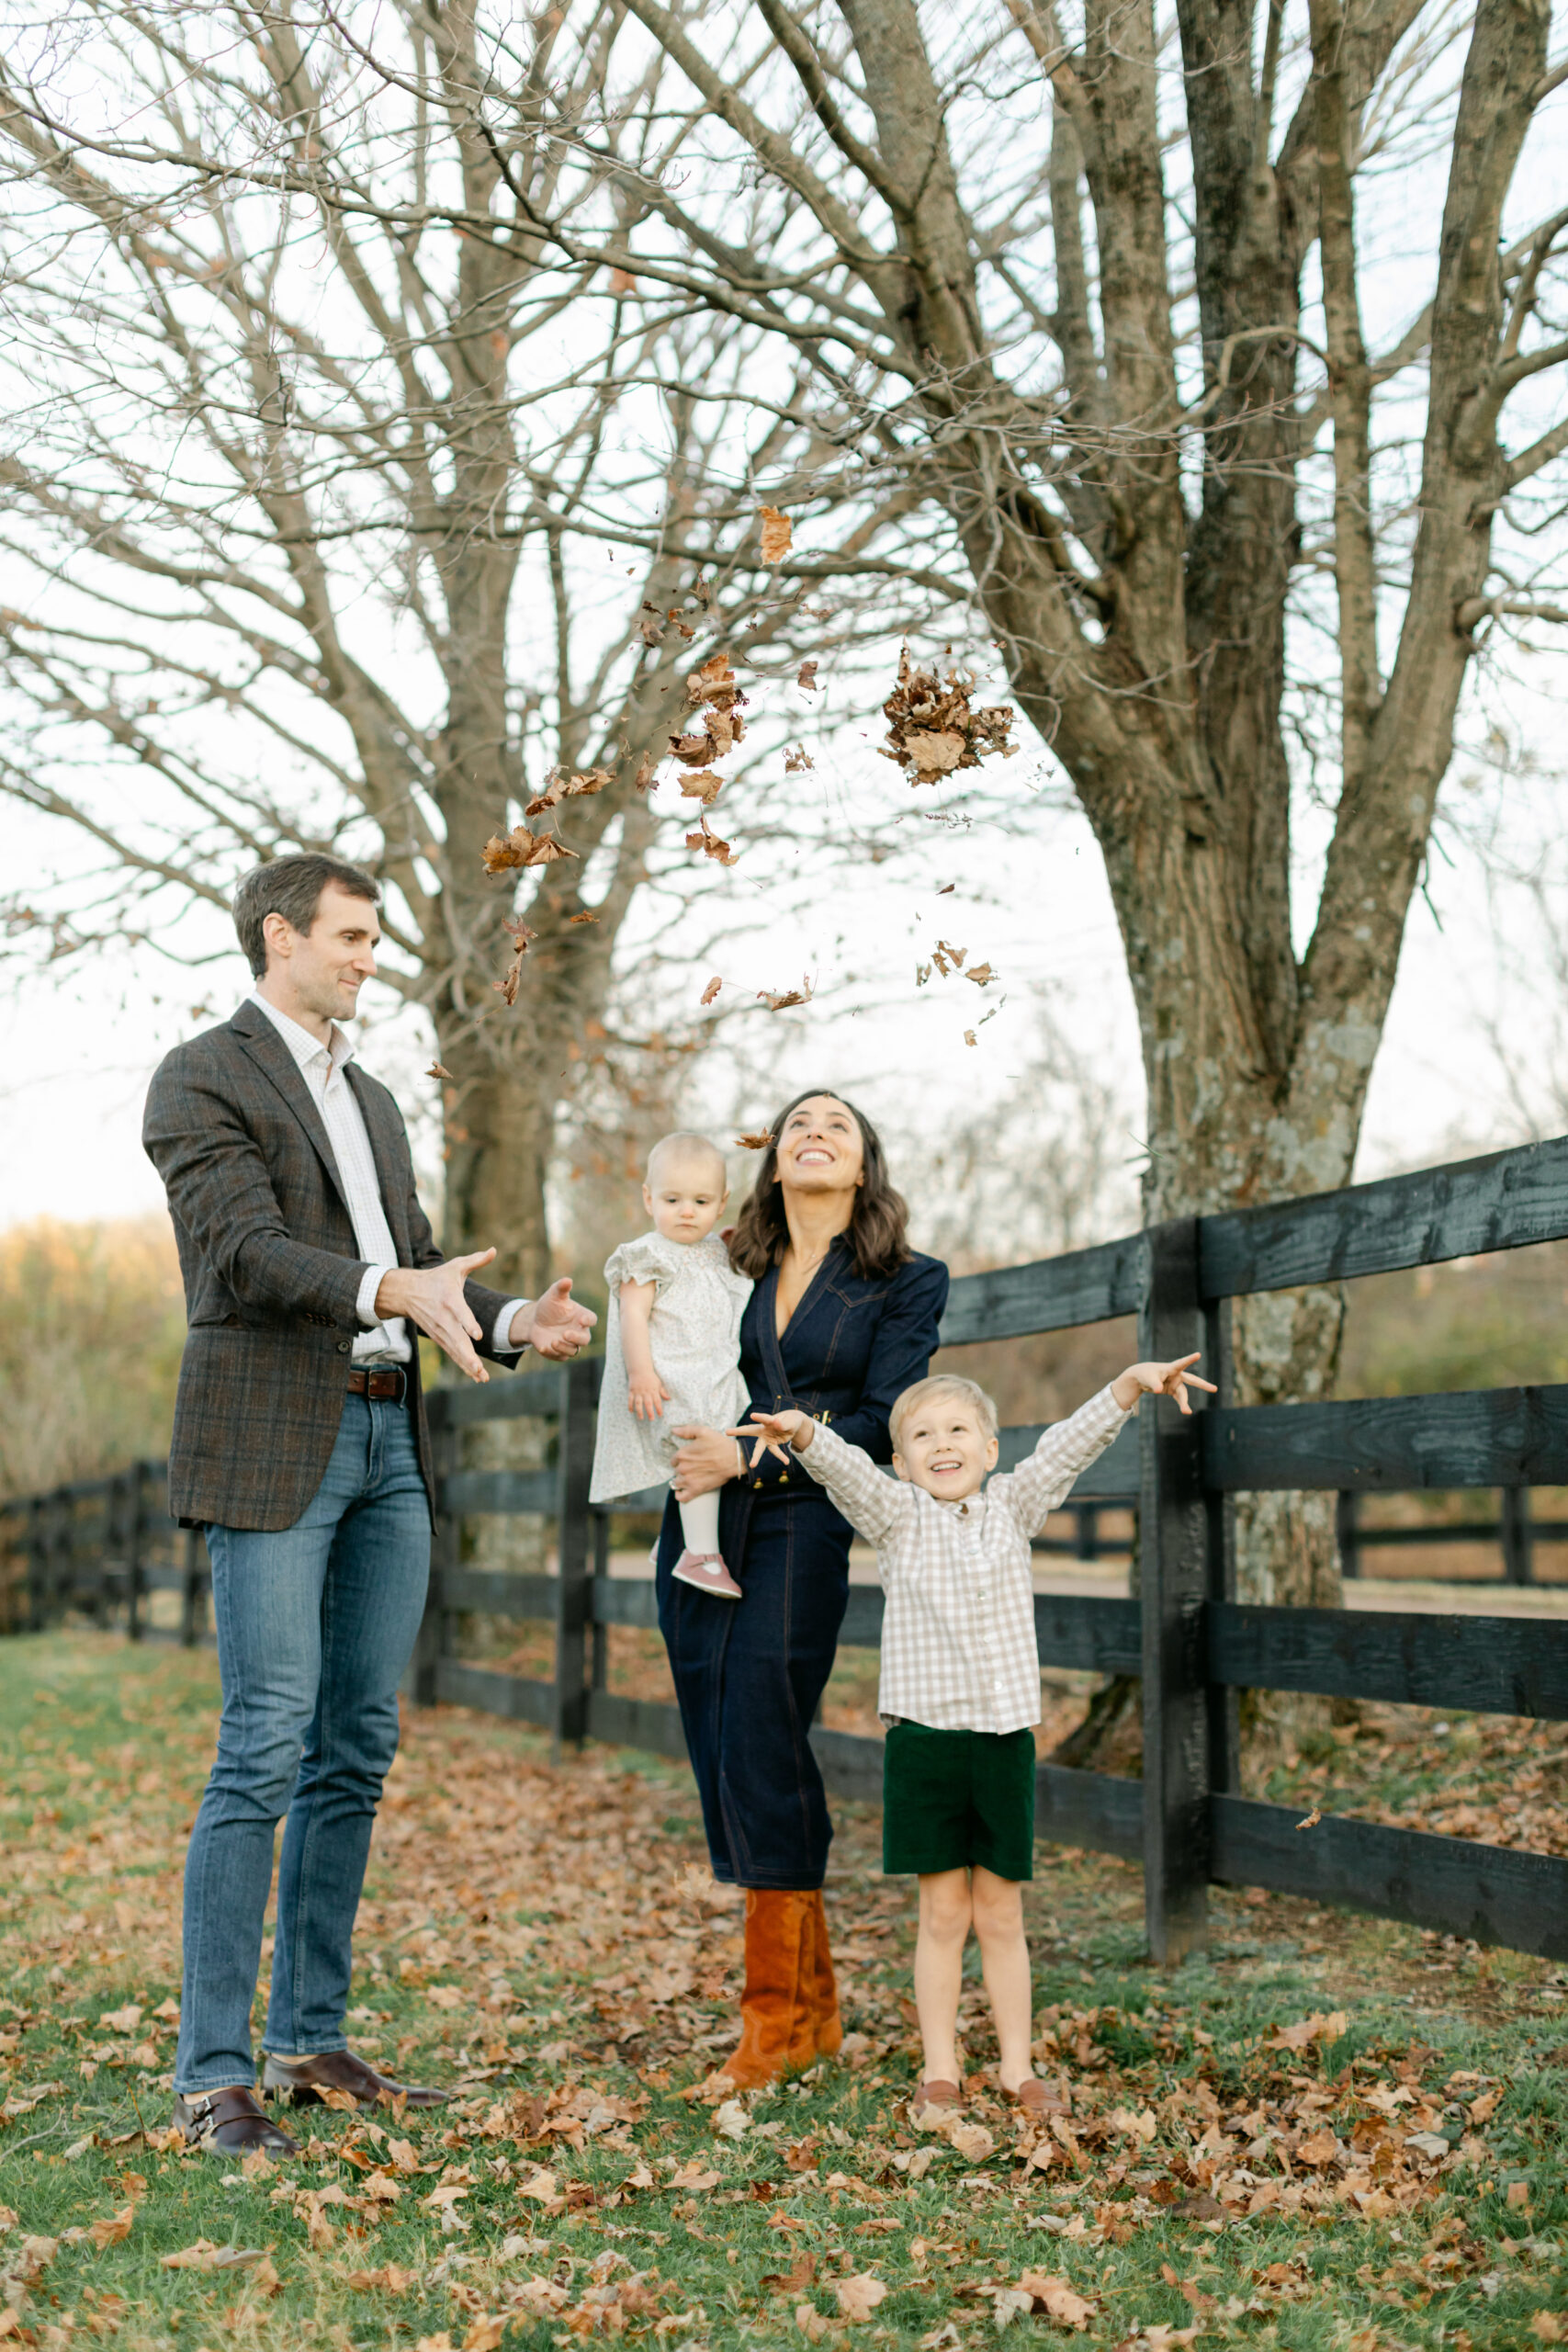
(386, 1386)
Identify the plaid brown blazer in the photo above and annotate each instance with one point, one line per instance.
(271, 1271)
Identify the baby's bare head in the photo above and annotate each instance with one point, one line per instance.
(686, 1187)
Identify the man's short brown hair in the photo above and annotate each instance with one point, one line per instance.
(291, 887)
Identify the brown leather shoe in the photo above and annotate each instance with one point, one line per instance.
(934, 2104)
(231, 2123)
(1036, 2098)
(303, 2080)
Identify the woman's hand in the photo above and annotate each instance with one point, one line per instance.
(777, 1433)
(704, 1460)
(647, 1395)
(1159, 1380)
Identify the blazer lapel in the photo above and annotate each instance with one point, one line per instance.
(384, 1127)
(268, 1051)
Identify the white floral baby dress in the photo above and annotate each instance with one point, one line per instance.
(694, 1331)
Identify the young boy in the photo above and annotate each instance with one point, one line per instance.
(960, 1688)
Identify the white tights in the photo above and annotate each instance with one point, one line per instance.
(699, 1522)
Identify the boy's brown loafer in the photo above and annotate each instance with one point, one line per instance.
(1036, 2098)
(934, 2104)
(305, 2080)
(231, 2123)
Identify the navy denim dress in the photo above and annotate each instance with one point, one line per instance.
(749, 1673)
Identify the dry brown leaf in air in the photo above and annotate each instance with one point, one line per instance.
(970, 1038)
(622, 282)
(807, 676)
(859, 2296)
(1314, 1817)
(981, 975)
(522, 848)
(781, 1003)
(798, 759)
(587, 915)
(643, 776)
(438, 1069)
(777, 535)
(591, 780)
(757, 1143)
(651, 621)
(693, 751)
(932, 726)
(704, 787)
(546, 799)
(712, 989)
(709, 842)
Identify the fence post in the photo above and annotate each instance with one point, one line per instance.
(1173, 1572)
(190, 1581)
(599, 1660)
(574, 1470)
(135, 1537)
(38, 1562)
(421, 1677)
(1518, 1542)
(1348, 1530)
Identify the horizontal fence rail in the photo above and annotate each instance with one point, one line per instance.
(1186, 1638)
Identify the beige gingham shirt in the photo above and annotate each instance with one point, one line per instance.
(958, 1646)
(324, 1070)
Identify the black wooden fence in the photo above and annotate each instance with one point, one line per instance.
(1192, 1644)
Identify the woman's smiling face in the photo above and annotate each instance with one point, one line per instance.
(820, 1149)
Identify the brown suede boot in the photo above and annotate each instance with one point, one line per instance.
(827, 2028)
(776, 2009)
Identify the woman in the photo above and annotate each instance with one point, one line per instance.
(843, 1317)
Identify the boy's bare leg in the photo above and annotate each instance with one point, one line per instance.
(939, 1971)
(1004, 1953)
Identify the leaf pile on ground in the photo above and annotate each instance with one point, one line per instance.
(1274, 2144)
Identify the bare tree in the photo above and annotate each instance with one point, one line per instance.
(1234, 556)
(348, 503)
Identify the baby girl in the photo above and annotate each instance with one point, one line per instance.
(673, 1339)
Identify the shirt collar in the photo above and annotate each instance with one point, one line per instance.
(300, 1040)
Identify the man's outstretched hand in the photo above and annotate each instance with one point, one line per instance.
(554, 1326)
(431, 1296)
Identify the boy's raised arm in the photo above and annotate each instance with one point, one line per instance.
(1042, 1482)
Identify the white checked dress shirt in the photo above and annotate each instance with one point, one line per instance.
(324, 1070)
(958, 1646)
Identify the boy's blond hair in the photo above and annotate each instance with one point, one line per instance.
(941, 1383)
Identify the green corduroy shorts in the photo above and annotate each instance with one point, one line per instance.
(951, 1798)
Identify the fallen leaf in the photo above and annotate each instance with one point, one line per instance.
(693, 2174)
(810, 2321)
(859, 2295)
(124, 2020)
(972, 2141)
(730, 2120)
(484, 2334)
(388, 2280)
(777, 535)
(802, 2272)
(203, 2254)
(113, 2227)
(1057, 2297)
(1306, 2031)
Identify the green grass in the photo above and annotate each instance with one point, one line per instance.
(532, 1934)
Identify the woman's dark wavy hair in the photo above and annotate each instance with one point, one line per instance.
(878, 1232)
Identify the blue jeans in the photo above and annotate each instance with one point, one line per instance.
(315, 1626)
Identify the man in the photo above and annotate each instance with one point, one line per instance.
(300, 1445)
